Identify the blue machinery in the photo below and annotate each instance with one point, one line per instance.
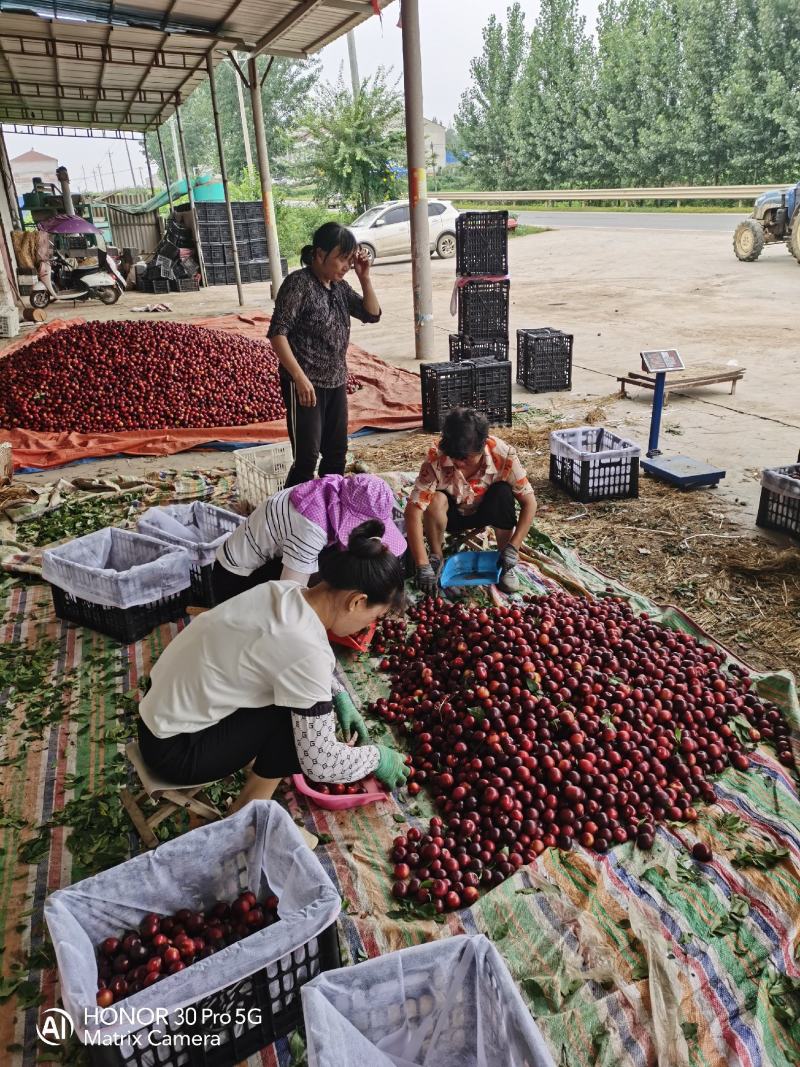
(682, 471)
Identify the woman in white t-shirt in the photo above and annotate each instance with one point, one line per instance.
(285, 535)
(251, 679)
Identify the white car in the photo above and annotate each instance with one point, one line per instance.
(386, 230)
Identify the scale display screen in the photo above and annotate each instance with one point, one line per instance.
(662, 360)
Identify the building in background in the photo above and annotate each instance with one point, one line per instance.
(435, 144)
(32, 165)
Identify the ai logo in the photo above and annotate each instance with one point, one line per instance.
(55, 1027)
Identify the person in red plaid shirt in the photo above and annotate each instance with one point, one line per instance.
(469, 481)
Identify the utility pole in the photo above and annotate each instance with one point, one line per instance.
(173, 130)
(223, 170)
(130, 161)
(248, 155)
(417, 183)
(354, 78)
(113, 175)
(268, 206)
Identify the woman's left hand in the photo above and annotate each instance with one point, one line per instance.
(361, 265)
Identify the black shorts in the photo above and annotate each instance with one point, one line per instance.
(261, 734)
(497, 508)
(226, 584)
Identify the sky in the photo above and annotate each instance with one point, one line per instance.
(451, 33)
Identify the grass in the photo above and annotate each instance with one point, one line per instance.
(525, 231)
(484, 205)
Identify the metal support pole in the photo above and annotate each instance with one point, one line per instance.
(655, 418)
(224, 173)
(351, 52)
(164, 168)
(149, 168)
(273, 248)
(248, 155)
(188, 175)
(417, 182)
(172, 129)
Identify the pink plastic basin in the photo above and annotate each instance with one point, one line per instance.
(341, 803)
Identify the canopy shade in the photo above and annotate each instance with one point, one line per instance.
(96, 63)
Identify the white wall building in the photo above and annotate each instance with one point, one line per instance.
(32, 165)
(435, 144)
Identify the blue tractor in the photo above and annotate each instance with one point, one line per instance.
(775, 218)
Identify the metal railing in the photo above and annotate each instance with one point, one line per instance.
(670, 192)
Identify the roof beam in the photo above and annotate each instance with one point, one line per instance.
(304, 8)
(88, 52)
(343, 27)
(110, 95)
(67, 117)
(34, 129)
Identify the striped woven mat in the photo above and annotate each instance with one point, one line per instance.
(627, 958)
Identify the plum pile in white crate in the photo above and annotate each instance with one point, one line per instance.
(555, 720)
(166, 944)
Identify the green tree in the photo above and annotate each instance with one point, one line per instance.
(550, 98)
(285, 96)
(759, 101)
(484, 121)
(353, 148)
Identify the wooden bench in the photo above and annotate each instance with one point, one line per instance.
(679, 381)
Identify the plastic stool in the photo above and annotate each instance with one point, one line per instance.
(169, 798)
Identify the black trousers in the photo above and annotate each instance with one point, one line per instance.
(317, 431)
(497, 508)
(263, 734)
(226, 584)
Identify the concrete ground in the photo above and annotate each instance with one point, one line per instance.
(618, 293)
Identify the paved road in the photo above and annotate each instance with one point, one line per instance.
(632, 220)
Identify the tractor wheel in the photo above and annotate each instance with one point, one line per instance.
(794, 240)
(748, 240)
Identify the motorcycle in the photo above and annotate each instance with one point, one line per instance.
(67, 280)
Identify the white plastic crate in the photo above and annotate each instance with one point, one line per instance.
(198, 527)
(117, 568)
(593, 463)
(9, 321)
(779, 507)
(257, 849)
(451, 1003)
(262, 471)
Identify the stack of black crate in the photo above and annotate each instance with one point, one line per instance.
(479, 372)
(173, 267)
(213, 236)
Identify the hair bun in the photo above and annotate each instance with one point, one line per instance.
(365, 540)
(306, 255)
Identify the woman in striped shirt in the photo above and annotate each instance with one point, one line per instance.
(285, 535)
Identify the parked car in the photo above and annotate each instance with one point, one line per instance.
(386, 230)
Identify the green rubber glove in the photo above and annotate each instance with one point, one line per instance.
(350, 720)
(392, 769)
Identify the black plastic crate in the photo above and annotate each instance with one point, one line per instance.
(185, 285)
(257, 271)
(604, 466)
(201, 591)
(211, 211)
(492, 390)
(483, 309)
(215, 252)
(482, 242)
(781, 510)
(221, 274)
(444, 386)
(273, 1004)
(248, 209)
(123, 624)
(155, 285)
(462, 348)
(210, 232)
(544, 360)
(242, 247)
(258, 248)
(168, 250)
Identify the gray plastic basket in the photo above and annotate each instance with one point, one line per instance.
(117, 568)
(198, 527)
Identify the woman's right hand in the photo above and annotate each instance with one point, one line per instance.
(305, 392)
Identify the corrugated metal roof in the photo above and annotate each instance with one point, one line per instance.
(94, 63)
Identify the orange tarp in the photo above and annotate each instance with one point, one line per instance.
(389, 399)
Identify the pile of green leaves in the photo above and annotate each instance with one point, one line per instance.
(77, 517)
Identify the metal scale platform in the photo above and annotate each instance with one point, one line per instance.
(685, 472)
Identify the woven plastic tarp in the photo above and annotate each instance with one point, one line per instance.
(447, 1004)
(258, 849)
(117, 568)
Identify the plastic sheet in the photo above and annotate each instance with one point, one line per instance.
(450, 1003)
(117, 568)
(258, 849)
(198, 527)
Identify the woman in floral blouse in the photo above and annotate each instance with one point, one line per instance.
(468, 482)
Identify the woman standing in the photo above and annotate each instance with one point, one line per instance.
(284, 536)
(310, 331)
(251, 679)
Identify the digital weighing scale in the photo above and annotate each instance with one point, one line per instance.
(683, 471)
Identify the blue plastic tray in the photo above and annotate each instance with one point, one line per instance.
(471, 568)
